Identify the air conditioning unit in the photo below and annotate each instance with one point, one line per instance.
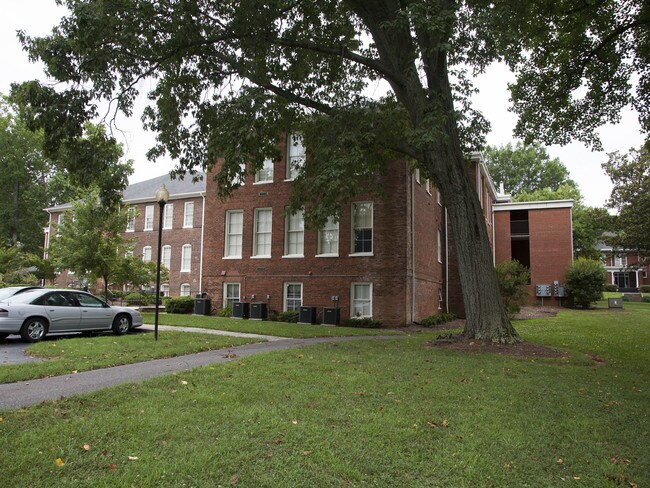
(259, 311)
(331, 315)
(240, 310)
(307, 315)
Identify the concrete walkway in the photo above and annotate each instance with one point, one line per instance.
(27, 393)
(211, 331)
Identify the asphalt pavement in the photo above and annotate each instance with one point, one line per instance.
(27, 393)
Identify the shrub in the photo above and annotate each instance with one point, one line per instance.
(364, 322)
(645, 299)
(134, 298)
(584, 282)
(179, 305)
(225, 312)
(513, 278)
(288, 316)
(610, 287)
(625, 298)
(645, 288)
(438, 318)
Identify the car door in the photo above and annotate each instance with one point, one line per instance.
(62, 311)
(95, 314)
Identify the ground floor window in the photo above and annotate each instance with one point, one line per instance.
(164, 290)
(230, 294)
(292, 296)
(361, 300)
(185, 290)
(622, 280)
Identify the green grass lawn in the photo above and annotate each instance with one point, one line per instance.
(393, 413)
(279, 329)
(74, 353)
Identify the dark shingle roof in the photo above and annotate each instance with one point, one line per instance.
(145, 190)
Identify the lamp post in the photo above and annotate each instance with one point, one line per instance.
(162, 196)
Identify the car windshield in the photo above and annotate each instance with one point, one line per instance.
(25, 297)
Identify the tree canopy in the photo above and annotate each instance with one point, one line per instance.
(229, 77)
(525, 168)
(630, 174)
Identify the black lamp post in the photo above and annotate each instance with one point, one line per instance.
(162, 196)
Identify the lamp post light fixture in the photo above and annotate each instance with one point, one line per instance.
(161, 196)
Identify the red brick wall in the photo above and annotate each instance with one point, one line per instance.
(502, 248)
(550, 244)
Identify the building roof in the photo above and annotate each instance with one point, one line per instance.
(144, 191)
(537, 205)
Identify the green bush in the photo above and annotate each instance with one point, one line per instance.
(625, 298)
(288, 316)
(645, 288)
(225, 312)
(513, 278)
(584, 282)
(179, 305)
(364, 322)
(645, 299)
(437, 319)
(134, 298)
(611, 287)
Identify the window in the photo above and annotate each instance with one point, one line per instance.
(644, 274)
(128, 254)
(362, 227)
(230, 294)
(168, 216)
(295, 156)
(130, 222)
(417, 175)
(265, 175)
(166, 257)
(240, 178)
(146, 254)
(440, 302)
(234, 232)
(292, 296)
(164, 290)
(88, 301)
(438, 197)
(186, 258)
(294, 236)
(439, 247)
(188, 218)
(361, 300)
(262, 234)
(620, 261)
(185, 290)
(328, 239)
(148, 217)
(427, 186)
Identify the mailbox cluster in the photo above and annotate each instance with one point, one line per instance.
(544, 291)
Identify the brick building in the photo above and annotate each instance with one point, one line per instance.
(181, 234)
(625, 269)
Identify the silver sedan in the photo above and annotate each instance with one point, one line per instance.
(35, 313)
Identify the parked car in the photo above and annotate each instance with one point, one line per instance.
(15, 290)
(35, 313)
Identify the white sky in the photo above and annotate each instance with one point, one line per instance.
(37, 17)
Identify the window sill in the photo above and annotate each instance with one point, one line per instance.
(129, 230)
(289, 179)
(263, 182)
(188, 227)
(186, 271)
(261, 257)
(147, 230)
(167, 228)
(361, 254)
(231, 257)
(293, 256)
(327, 255)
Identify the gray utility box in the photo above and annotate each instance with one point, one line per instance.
(202, 306)
(331, 315)
(307, 315)
(615, 302)
(240, 310)
(259, 311)
(543, 290)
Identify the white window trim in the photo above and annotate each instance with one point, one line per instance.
(338, 243)
(144, 254)
(189, 293)
(225, 296)
(168, 211)
(183, 251)
(254, 254)
(130, 223)
(372, 226)
(427, 185)
(290, 145)
(147, 209)
(185, 224)
(162, 256)
(284, 293)
(286, 237)
(439, 246)
(417, 176)
(164, 288)
(257, 174)
(229, 213)
(352, 316)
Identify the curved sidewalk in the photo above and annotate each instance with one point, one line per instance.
(27, 393)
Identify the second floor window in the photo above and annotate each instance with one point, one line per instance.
(362, 222)
(262, 237)
(234, 233)
(148, 217)
(294, 235)
(146, 254)
(188, 218)
(168, 216)
(166, 257)
(328, 238)
(130, 222)
(295, 156)
(265, 175)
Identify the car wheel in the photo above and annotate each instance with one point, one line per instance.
(121, 324)
(33, 330)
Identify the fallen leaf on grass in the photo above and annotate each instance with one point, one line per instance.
(234, 479)
(183, 382)
(59, 462)
(560, 461)
(444, 423)
(133, 458)
(306, 453)
(278, 440)
(86, 447)
(112, 466)
(294, 422)
(619, 460)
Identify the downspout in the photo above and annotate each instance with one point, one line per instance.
(446, 262)
(412, 248)
(571, 220)
(201, 253)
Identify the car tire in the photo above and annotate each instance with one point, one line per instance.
(121, 324)
(34, 329)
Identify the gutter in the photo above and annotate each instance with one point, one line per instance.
(412, 248)
(202, 236)
(446, 262)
